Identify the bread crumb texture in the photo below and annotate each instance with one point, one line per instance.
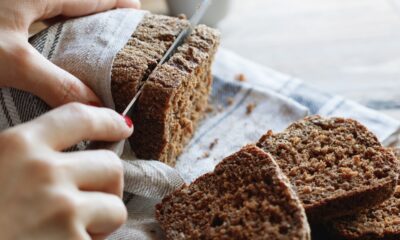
(175, 96)
(246, 197)
(336, 165)
(381, 222)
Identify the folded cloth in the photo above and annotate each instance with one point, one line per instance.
(242, 111)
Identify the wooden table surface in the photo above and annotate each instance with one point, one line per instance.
(350, 48)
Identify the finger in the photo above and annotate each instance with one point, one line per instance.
(102, 213)
(68, 125)
(99, 171)
(52, 84)
(74, 8)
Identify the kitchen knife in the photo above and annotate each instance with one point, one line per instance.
(117, 147)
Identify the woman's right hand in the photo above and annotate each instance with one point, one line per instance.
(49, 194)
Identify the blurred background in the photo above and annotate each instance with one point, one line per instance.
(351, 47)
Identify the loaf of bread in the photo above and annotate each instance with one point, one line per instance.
(175, 97)
(246, 197)
(336, 165)
(379, 223)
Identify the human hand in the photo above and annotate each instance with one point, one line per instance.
(22, 67)
(49, 194)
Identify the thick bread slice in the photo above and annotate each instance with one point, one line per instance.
(337, 166)
(246, 197)
(175, 98)
(380, 223)
(151, 39)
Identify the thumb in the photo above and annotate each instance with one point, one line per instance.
(52, 84)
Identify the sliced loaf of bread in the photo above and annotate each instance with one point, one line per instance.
(381, 222)
(175, 97)
(336, 165)
(246, 197)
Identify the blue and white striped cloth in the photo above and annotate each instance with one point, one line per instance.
(279, 99)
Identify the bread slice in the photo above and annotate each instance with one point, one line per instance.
(381, 222)
(133, 64)
(175, 98)
(337, 166)
(246, 197)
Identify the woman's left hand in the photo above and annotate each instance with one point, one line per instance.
(22, 67)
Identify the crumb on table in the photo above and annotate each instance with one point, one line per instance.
(213, 144)
(229, 101)
(205, 155)
(182, 16)
(209, 109)
(241, 77)
(250, 108)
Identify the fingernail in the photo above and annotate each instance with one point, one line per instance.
(94, 104)
(128, 121)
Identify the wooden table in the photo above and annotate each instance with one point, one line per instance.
(351, 47)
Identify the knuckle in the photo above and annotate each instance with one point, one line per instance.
(81, 112)
(22, 140)
(69, 88)
(75, 107)
(114, 123)
(115, 170)
(66, 206)
(115, 163)
(44, 170)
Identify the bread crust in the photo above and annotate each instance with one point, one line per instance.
(351, 203)
(379, 223)
(175, 96)
(182, 201)
(362, 157)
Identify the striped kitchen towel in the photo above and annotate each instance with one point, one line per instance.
(241, 111)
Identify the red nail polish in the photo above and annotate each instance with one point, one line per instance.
(94, 104)
(128, 121)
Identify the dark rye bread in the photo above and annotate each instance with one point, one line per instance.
(336, 165)
(151, 39)
(381, 222)
(246, 197)
(175, 97)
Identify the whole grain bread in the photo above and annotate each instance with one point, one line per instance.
(246, 197)
(133, 64)
(379, 223)
(175, 97)
(336, 165)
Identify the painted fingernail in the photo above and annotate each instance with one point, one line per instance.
(128, 121)
(94, 104)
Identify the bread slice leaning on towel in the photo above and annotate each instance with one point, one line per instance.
(246, 197)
